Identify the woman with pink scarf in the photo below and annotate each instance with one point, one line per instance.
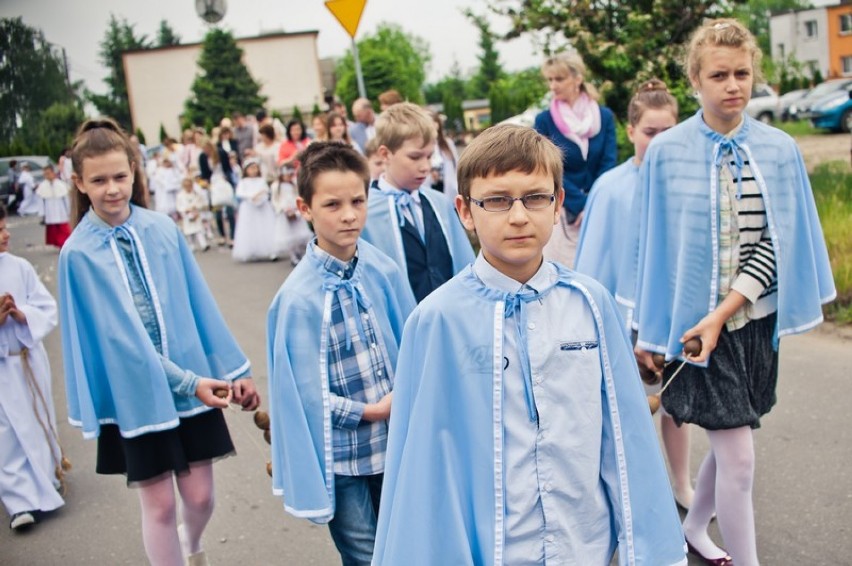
(585, 132)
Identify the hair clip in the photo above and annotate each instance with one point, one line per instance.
(721, 25)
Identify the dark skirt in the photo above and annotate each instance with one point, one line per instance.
(736, 389)
(202, 437)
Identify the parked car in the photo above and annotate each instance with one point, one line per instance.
(763, 104)
(834, 111)
(787, 104)
(36, 163)
(818, 94)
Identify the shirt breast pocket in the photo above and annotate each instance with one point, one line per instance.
(579, 346)
(579, 362)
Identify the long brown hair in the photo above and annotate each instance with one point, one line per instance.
(95, 138)
(443, 146)
(330, 119)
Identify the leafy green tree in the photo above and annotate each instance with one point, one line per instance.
(223, 84)
(120, 37)
(490, 70)
(390, 59)
(515, 92)
(32, 78)
(622, 43)
(449, 91)
(166, 36)
(53, 129)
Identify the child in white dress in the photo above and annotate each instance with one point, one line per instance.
(168, 180)
(253, 238)
(292, 233)
(190, 205)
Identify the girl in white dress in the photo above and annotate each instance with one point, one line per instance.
(253, 239)
(168, 179)
(292, 233)
(190, 205)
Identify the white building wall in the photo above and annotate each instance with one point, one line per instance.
(789, 36)
(159, 80)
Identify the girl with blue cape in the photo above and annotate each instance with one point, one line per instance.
(604, 237)
(139, 329)
(730, 251)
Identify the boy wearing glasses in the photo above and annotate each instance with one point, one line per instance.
(520, 433)
(413, 224)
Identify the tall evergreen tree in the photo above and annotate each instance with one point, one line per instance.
(39, 110)
(32, 77)
(166, 36)
(223, 84)
(120, 37)
(490, 70)
(449, 91)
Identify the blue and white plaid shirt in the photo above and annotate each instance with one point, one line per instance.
(357, 376)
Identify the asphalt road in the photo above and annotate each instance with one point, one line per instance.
(803, 492)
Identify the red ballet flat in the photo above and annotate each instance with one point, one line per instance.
(724, 561)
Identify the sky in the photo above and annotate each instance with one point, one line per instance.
(80, 25)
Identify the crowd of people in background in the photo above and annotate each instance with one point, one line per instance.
(245, 166)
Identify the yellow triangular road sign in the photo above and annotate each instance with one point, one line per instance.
(348, 13)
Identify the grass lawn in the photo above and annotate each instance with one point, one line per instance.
(832, 185)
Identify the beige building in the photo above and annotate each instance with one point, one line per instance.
(159, 80)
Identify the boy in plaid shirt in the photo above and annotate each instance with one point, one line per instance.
(333, 334)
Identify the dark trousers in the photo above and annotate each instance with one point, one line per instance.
(222, 213)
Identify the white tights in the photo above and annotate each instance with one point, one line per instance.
(724, 485)
(676, 443)
(159, 514)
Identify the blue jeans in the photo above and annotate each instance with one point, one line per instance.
(353, 528)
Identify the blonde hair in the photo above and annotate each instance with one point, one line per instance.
(401, 122)
(651, 94)
(505, 148)
(723, 32)
(571, 63)
(371, 148)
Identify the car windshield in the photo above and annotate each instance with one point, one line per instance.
(826, 88)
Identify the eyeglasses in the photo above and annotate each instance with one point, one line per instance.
(535, 201)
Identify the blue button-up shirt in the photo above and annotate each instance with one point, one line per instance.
(556, 507)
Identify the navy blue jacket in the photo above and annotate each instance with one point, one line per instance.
(579, 175)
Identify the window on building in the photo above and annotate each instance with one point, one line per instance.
(811, 29)
(781, 53)
(847, 65)
(845, 24)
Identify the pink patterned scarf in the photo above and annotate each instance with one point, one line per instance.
(579, 122)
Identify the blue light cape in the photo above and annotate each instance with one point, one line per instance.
(442, 499)
(113, 372)
(672, 276)
(383, 231)
(606, 225)
(297, 353)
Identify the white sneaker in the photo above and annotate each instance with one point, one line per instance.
(20, 520)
